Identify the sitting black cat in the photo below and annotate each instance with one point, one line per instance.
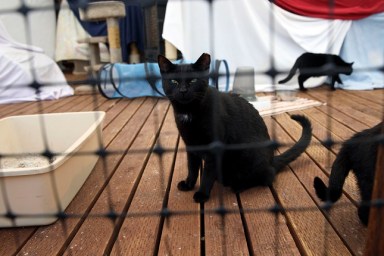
(319, 64)
(358, 154)
(209, 118)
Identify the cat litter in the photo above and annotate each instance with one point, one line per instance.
(27, 161)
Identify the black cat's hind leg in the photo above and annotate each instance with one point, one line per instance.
(364, 207)
(301, 80)
(320, 188)
(339, 172)
(194, 164)
(363, 213)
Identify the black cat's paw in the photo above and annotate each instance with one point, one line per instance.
(363, 213)
(321, 189)
(184, 186)
(200, 197)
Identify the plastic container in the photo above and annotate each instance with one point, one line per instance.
(286, 95)
(36, 191)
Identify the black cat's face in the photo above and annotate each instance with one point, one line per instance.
(345, 67)
(185, 83)
(349, 68)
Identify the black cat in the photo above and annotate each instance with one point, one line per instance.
(358, 154)
(319, 64)
(209, 120)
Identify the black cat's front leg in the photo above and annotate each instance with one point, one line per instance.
(209, 175)
(194, 164)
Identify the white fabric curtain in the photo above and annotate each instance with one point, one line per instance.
(37, 28)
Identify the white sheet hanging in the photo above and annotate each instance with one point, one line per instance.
(250, 33)
(20, 65)
(364, 45)
(69, 31)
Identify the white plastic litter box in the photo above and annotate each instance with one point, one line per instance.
(32, 188)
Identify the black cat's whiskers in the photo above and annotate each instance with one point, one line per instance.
(199, 95)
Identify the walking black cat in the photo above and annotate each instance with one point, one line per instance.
(319, 64)
(207, 117)
(358, 154)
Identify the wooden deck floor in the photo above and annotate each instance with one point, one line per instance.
(118, 209)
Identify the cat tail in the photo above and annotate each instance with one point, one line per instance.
(280, 161)
(292, 72)
(339, 172)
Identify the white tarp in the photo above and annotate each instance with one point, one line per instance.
(20, 65)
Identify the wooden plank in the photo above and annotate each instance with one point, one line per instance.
(312, 231)
(268, 232)
(344, 215)
(181, 232)
(50, 106)
(117, 194)
(343, 118)
(141, 229)
(348, 107)
(52, 239)
(358, 104)
(340, 131)
(13, 238)
(224, 234)
(97, 102)
(33, 107)
(369, 96)
(82, 102)
(8, 109)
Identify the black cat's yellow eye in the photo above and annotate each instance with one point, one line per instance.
(174, 82)
(193, 81)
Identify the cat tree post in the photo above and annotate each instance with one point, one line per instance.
(170, 51)
(110, 11)
(375, 239)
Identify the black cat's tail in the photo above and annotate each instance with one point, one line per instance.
(280, 161)
(339, 173)
(292, 72)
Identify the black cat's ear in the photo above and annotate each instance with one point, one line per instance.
(165, 65)
(351, 63)
(203, 62)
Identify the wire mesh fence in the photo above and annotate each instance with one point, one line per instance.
(130, 203)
